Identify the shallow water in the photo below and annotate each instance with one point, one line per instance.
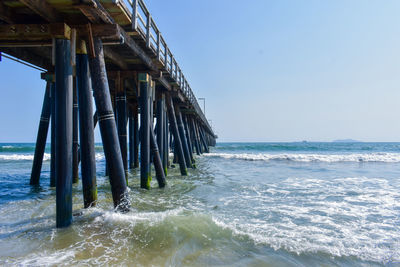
(256, 204)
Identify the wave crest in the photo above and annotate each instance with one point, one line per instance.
(359, 157)
(46, 157)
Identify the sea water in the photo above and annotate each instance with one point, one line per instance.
(246, 204)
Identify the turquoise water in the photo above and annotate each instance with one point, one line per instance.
(247, 204)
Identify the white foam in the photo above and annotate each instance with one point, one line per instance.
(13, 157)
(131, 218)
(47, 156)
(100, 156)
(352, 216)
(359, 157)
(50, 259)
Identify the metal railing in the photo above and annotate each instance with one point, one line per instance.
(143, 23)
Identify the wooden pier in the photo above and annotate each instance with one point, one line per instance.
(114, 51)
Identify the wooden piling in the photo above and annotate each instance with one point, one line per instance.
(94, 126)
(160, 175)
(194, 135)
(166, 146)
(130, 140)
(86, 125)
(182, 135)
(53, 136)
(136, 137)
(41, 137)
(108, 128)
(63, 132)
(201, 147)
(188, 139)
(75, 142)
(177, 140)
(145, 96)
(160, 126)
(203, 140)
(120, 106)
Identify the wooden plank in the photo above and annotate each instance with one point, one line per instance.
(108, 31)
(164, 83)
(137, 50)
(30, 56)
(120, 12)
(178, 95)
(115, 58)
(6, 14)
(43, 9)
(95, 12)
(26, 43)
(158, 76)
(34, 32)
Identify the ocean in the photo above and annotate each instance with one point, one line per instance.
(246, 204)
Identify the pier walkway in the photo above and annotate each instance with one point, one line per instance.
(113, 51)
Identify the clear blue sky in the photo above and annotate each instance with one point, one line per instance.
(269, 70)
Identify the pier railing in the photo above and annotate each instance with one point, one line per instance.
(143, 23)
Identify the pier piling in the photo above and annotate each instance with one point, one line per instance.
(194, 135)
(189, 142)
(203, 140)
(135, 156)
(183, 138)
(75, 142)
(145, 124)
(177, 140)
(41, 137)
(108, 128)
(120, 106)
(166, 146)
(161, 127)
(86, 125)
(160, 175)
(200, 143)
(63, 132)
(130, 140)
(53, 135)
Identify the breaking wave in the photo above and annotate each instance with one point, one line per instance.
(359, 157)
(27, 157)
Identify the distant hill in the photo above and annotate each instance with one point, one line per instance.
(346, 141)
